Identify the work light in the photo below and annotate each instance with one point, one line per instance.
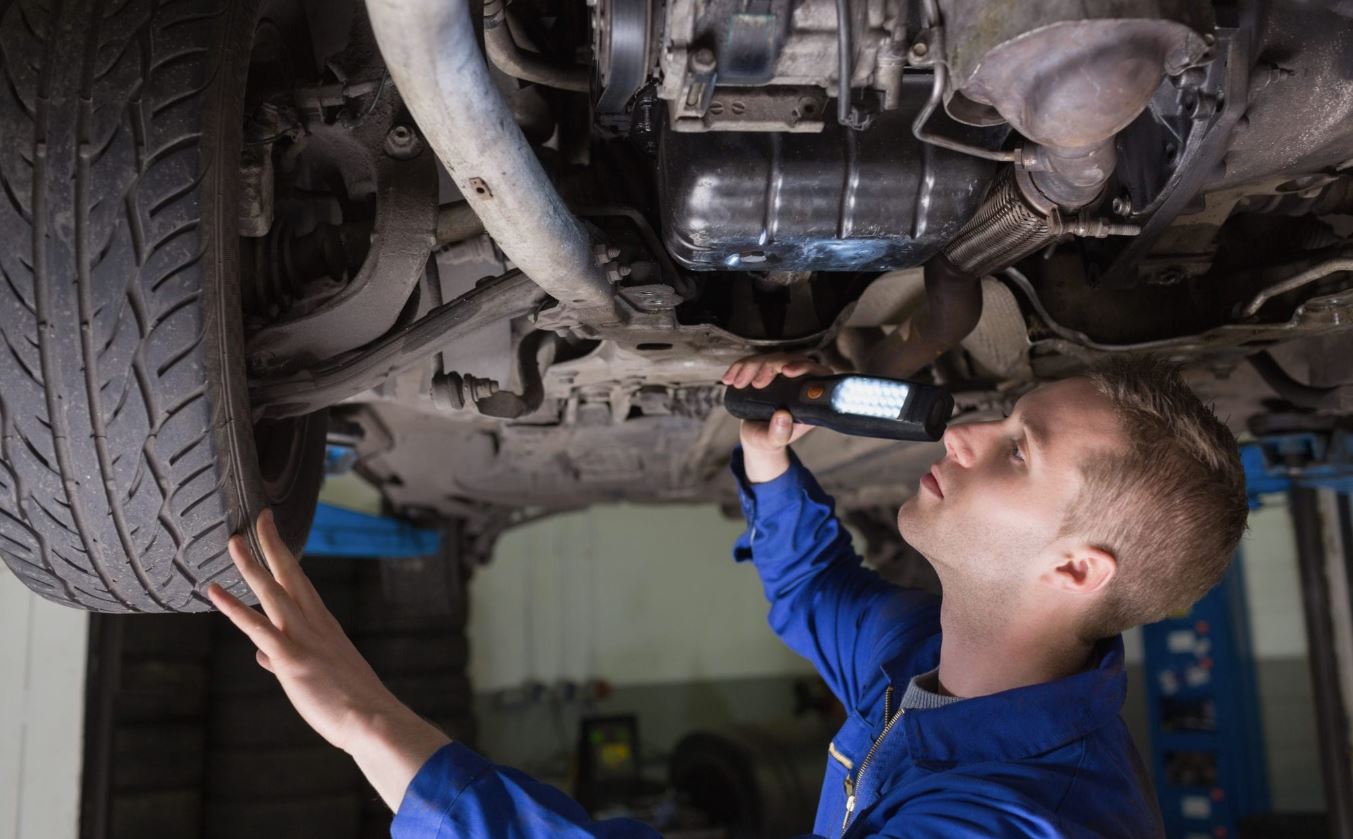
(863, 406)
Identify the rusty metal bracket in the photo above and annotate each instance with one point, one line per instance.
(401, 171)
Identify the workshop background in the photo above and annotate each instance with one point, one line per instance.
(621, 654)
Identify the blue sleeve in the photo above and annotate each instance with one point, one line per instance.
(823, 603)
(458, 793)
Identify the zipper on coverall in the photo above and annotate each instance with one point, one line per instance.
(850, 784)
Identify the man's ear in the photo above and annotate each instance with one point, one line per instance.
(1081, 568)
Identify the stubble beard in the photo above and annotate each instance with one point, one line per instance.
(976, 600)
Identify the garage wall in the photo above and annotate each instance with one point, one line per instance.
(1273, 589)
(632, 594)
(42, 687)
(647, 598)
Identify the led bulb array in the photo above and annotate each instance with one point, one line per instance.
(868, 397)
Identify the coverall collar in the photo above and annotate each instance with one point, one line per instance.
(1018, 723)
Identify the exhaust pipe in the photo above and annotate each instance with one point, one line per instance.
(434, 59)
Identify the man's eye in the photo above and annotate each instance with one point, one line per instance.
(1015, 453)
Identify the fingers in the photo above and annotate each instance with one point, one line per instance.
(747, 372)
(264, 661)
(257, 627)
(731, 373)
(778, 432)
(275, 551)
(285, 569)
(765, 375)
(760, 370)
(277, 604)
(743, 373)
(781, 428)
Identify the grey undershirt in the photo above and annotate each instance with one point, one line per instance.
(922, 693)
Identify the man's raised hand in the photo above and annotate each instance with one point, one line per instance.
(332, 687)
(764, 443)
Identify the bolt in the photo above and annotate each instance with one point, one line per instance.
(401, 142)
(1028, 159)
(1203, 107)
(1189, 77)
(602, 253)
(480, 388)
(1273, 73)
(1122, 205)
(920, 49)
(1171, 275)
(702, 60)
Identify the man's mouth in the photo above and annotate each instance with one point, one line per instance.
(931, 481)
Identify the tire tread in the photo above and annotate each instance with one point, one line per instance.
(113, 493)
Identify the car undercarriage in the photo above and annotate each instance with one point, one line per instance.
(502, 253)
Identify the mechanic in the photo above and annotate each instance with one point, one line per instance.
(1098, 504)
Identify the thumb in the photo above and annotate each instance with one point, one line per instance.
(781, 427)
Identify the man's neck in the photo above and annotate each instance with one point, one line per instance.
(981, 654)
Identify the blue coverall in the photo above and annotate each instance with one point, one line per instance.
(1047, 760)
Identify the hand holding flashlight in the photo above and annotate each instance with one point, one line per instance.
(764, 441)
(862, 406)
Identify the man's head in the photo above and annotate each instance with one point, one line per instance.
(1114, 498)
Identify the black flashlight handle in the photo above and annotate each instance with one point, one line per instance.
(923, 417)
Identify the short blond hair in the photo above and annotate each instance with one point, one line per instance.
(1171, 507)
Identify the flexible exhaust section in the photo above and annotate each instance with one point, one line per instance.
(1004, 230)
(434, 59)
(1007, 227)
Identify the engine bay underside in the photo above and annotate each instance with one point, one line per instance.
(633, 195)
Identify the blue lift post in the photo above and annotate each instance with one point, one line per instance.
(1203, 708)
(341, 532)
(1207, 746)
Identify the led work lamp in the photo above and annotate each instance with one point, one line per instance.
(862, 406)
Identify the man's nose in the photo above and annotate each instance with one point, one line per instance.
(959, 445)
(969, 442)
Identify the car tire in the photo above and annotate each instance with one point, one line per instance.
(128, 455)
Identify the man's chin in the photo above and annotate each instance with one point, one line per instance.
(908, 520)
